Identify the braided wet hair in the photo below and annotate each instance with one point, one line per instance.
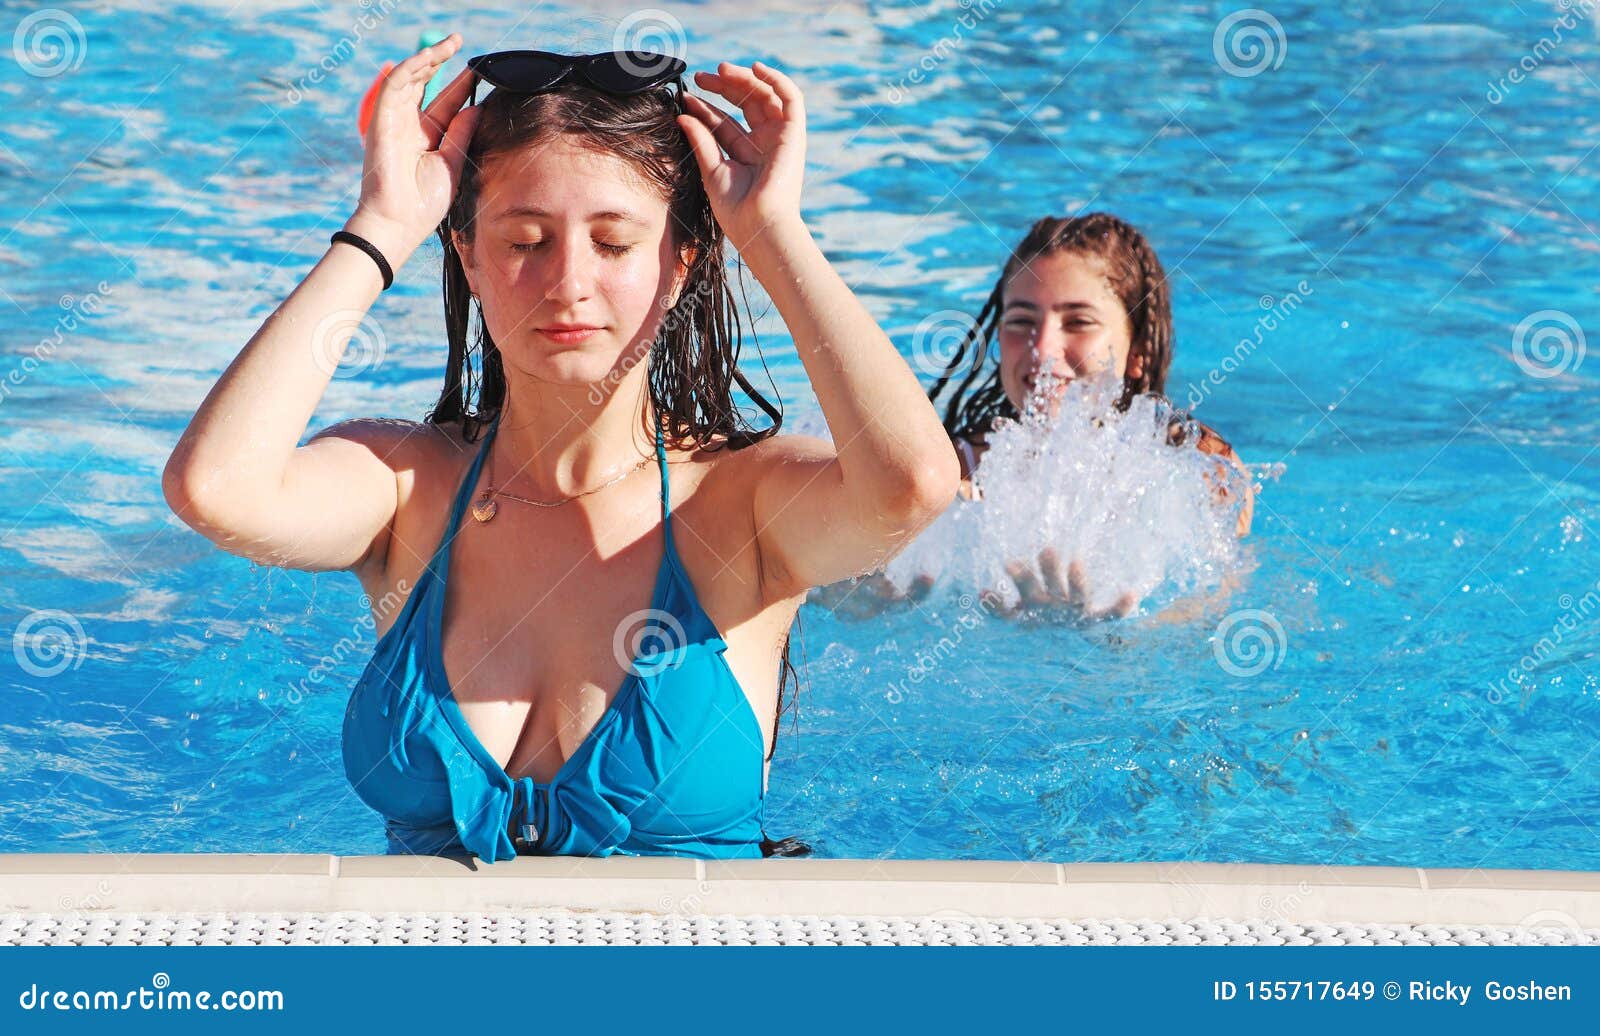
(1136, 277)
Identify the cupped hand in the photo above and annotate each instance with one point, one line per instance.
(1068, 592)
(413, 158)
(752, 175)
(868, 596)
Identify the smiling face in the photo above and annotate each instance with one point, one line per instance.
(572, 260)
(1060, 310)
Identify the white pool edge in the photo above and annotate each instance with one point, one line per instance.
(93, 884)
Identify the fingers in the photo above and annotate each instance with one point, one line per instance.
(404, 85)
(788, 93)
(703, 144)
(1027, 584)
(734, 140)
(1050, 565)
(1077, 585)
(757, 99)
(454, 145)
(1121, 608)
(437, 117)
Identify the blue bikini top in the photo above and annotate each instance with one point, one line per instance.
(674, 766)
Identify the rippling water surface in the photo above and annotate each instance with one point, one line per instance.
(1405, 672)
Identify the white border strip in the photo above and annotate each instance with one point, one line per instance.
(106, 883)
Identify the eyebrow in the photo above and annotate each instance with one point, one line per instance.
(605, 215)
(1060, 307)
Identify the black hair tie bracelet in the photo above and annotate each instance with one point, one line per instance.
(369, 248)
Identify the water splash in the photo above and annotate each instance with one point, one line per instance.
(1125, 511)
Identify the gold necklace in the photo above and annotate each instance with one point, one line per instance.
(484, 508)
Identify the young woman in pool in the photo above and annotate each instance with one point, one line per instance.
(602, 674)
(1081, 296)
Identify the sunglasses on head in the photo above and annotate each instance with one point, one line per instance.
(614, 72)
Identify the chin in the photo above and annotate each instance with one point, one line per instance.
(574, 367)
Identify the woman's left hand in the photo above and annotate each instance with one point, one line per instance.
(752, 175)
(1067, 591)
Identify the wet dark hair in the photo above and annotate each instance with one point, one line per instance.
(1136, 277)
(693, 359)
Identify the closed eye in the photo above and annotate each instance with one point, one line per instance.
(604, 247)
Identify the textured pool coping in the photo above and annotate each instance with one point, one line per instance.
(89, 885)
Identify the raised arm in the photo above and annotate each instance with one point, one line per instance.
(822, 512)
(236, 475)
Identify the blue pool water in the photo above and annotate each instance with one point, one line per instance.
(1407, 673)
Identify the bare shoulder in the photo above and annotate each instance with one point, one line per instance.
(396, 442)
(745, 466)
(425, 459)
(787, 447)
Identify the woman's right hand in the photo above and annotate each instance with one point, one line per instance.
(413, 158)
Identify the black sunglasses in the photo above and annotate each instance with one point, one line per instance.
(613, 72)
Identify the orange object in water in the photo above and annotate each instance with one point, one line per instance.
(370, 99)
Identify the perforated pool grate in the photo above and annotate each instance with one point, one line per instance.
(550, 927)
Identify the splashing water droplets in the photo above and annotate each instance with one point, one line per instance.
(1124, 510)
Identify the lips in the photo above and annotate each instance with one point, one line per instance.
(568, 334)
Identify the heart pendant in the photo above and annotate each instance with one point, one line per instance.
(484, 508)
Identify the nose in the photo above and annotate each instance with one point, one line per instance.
(1050, 348)
(570, 272)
